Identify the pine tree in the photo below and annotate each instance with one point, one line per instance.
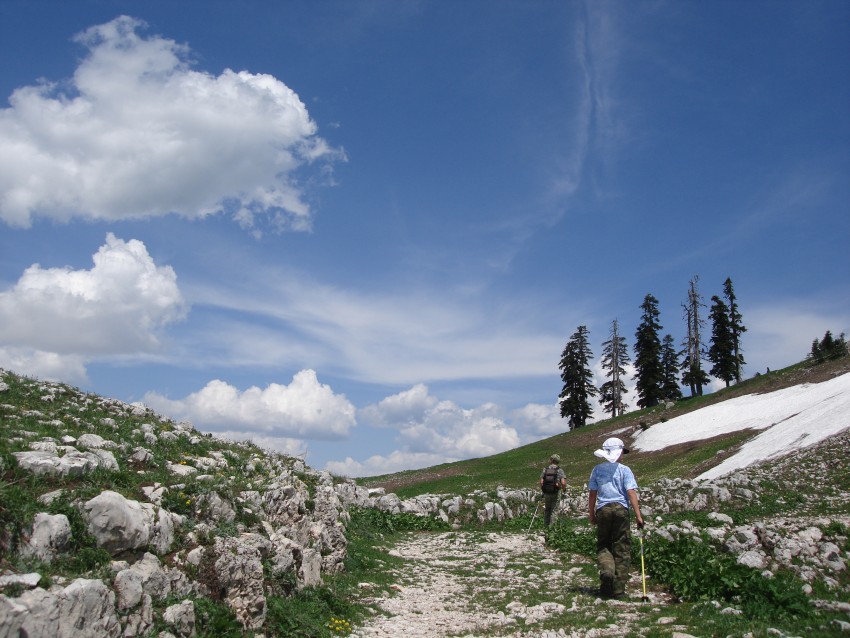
(827, 345)
(693, 374)
(615, 356)
(670, 390)
(736, 328)
(816, 354)
(722, 350)
(577, 378)
(840, 347)
(648, 372)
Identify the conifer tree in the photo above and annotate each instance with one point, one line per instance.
(816, 354)
(577, 378)
(615, 356)
(693, 374)
(839, 348)
(648, 372)
(736, 328)
(722, 350)
(827, 344)
(829, 347)
(670, 390)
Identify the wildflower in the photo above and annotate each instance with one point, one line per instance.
(339, 625)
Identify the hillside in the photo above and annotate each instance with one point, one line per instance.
(116, 521)
(519, 468)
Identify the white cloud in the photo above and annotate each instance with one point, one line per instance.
(375, 465)
(392, 337)
(303, 409)
(536, 420)
(137, 133)
(432, 431)
(44, 365)
(399, 409)
(117, 307)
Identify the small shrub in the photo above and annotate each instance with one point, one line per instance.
(570, 539)
(697, 571)
(372, 521)
(215, 620)
(314, 612)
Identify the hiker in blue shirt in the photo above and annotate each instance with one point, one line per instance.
(613, 489)
(552, 481)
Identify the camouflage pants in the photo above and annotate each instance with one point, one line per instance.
(613, 548)
(549, 503)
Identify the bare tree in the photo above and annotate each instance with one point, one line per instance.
(693, 374)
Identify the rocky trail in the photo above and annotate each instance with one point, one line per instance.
(477, 584)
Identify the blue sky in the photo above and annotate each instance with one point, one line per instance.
(363, 231)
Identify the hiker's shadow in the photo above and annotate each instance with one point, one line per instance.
(583, 589)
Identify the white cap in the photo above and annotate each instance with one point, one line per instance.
(611, 450)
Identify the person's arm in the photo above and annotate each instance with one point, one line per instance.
(591, 505)
(633, 499)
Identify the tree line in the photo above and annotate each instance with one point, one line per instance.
(660, 367)
(828, 348)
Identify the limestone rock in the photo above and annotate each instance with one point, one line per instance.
(116, 523)
(239, 571)
(83, 609)
(50, 535)
(181, 618)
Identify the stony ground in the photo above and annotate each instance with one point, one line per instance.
(477, 584)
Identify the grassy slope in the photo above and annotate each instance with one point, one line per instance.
(520, 467)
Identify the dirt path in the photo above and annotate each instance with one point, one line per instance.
(477, 584)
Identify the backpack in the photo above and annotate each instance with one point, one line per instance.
(550, 480)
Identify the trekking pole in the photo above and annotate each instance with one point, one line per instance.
(536, 509)
(645, 599)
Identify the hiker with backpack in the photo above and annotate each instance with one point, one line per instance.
(613, 490)
(552, 481)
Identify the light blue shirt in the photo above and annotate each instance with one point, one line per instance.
(611, 481)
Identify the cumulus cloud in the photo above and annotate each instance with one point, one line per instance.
(536, 419)
(44, 365)
(117, 307)
(138, 133)
(405, 407)
(303, 409)
(432, 431)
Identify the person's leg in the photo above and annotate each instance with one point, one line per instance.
(604, 553)
(549, 501)
(621, 549)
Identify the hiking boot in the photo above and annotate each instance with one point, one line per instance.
(607, 584)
